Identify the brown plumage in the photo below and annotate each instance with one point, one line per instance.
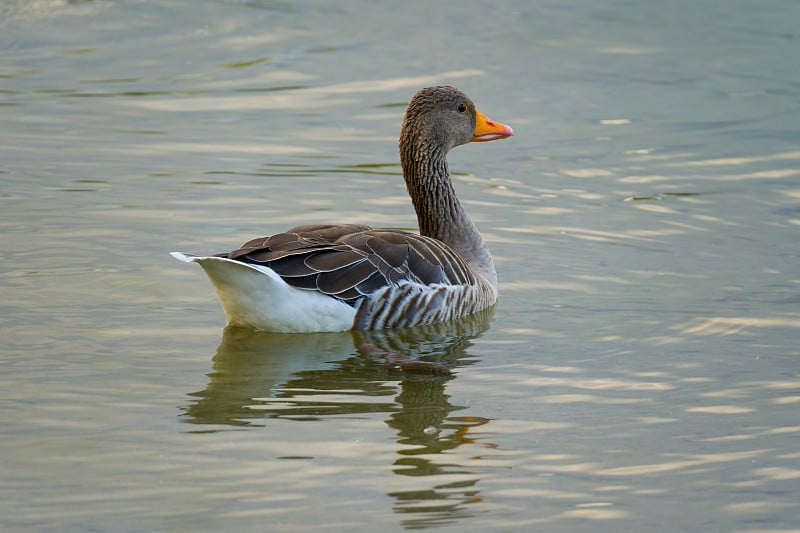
(352, 261)
(389, 278)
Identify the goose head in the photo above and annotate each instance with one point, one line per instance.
(440, 118)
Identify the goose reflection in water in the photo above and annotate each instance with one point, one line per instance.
(261, 376)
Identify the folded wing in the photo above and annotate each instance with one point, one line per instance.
(350, 262)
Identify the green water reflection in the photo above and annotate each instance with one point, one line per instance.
(260, 376)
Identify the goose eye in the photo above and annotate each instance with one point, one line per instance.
(462, 107)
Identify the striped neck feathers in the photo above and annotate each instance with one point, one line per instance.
(439, 212)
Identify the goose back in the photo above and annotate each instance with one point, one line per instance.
(392, 278)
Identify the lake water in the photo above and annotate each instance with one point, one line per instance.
(641, 371)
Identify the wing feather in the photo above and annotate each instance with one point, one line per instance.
(344, 279)
(354, 261)
(289, 266)
(329, 260)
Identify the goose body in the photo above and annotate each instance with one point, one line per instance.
(338, 277)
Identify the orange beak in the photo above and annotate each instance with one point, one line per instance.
(489, 130)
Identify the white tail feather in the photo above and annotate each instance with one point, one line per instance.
(254, 296)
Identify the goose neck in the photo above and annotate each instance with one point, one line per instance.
(439, 212)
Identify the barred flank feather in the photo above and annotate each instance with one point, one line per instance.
(411, 304)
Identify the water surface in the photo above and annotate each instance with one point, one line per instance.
(640, 371)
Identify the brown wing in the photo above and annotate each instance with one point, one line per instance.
(351, 261)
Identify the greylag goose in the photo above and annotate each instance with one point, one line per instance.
(338, 277)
